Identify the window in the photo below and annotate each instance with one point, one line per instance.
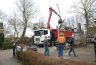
(40, 32)
(37, 33)
(45, 32)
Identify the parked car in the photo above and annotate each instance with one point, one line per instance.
(33, 47)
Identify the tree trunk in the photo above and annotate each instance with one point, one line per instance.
(24, 31)
(87, 25)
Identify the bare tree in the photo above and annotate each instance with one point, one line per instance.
(15, 25)
(6, 30)
(26, 10)
(86, 9)
(41, 23)
(38, 25)
(2, 15)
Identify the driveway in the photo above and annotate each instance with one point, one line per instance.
(6, 58)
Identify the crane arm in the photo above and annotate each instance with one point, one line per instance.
(51, 9)
(50, 14)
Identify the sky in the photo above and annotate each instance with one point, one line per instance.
(8, 6)
(64, 7)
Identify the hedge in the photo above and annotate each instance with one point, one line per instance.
(1, 40)
(34, 58)
(7, 45)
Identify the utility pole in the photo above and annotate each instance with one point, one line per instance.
(60, 18)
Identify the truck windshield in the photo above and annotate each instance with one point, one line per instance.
(39, 32)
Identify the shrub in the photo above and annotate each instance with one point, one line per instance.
(1, 39)
(7, 45)
(24, 40)
(34, 58)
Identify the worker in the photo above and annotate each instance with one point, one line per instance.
(94, 42)
(61, 40)
(46, 46)
(15, 47)
(71, 45)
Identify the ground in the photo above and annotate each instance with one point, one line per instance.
(6, 58)
(85, 54)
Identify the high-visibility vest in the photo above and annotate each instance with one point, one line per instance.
(61, 39)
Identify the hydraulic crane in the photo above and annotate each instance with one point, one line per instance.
(50, 14)
(51, 34)
(55, 33)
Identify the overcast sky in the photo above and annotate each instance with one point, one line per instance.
(8, 6)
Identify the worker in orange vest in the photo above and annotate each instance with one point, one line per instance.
(61, 40)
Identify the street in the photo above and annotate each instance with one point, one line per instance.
(6, 58)
(84, 54)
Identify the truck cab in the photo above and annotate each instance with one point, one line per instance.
(39, 36)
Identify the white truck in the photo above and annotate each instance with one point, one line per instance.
(39, 36)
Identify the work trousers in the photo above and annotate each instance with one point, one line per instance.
(46, 51)
(95, 51)
(14, 51)
(72, 49)
(60, 50)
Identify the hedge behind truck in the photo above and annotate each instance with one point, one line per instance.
(1, 40)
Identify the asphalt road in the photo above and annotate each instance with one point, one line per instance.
(6, 58)
(85, 54)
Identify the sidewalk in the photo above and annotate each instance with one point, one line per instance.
(6, 58)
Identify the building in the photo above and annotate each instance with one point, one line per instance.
(1, 28)
(1, 35)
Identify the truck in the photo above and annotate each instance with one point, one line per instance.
(50, 33)
(39, 36)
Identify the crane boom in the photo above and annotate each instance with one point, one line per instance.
(50, 14)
